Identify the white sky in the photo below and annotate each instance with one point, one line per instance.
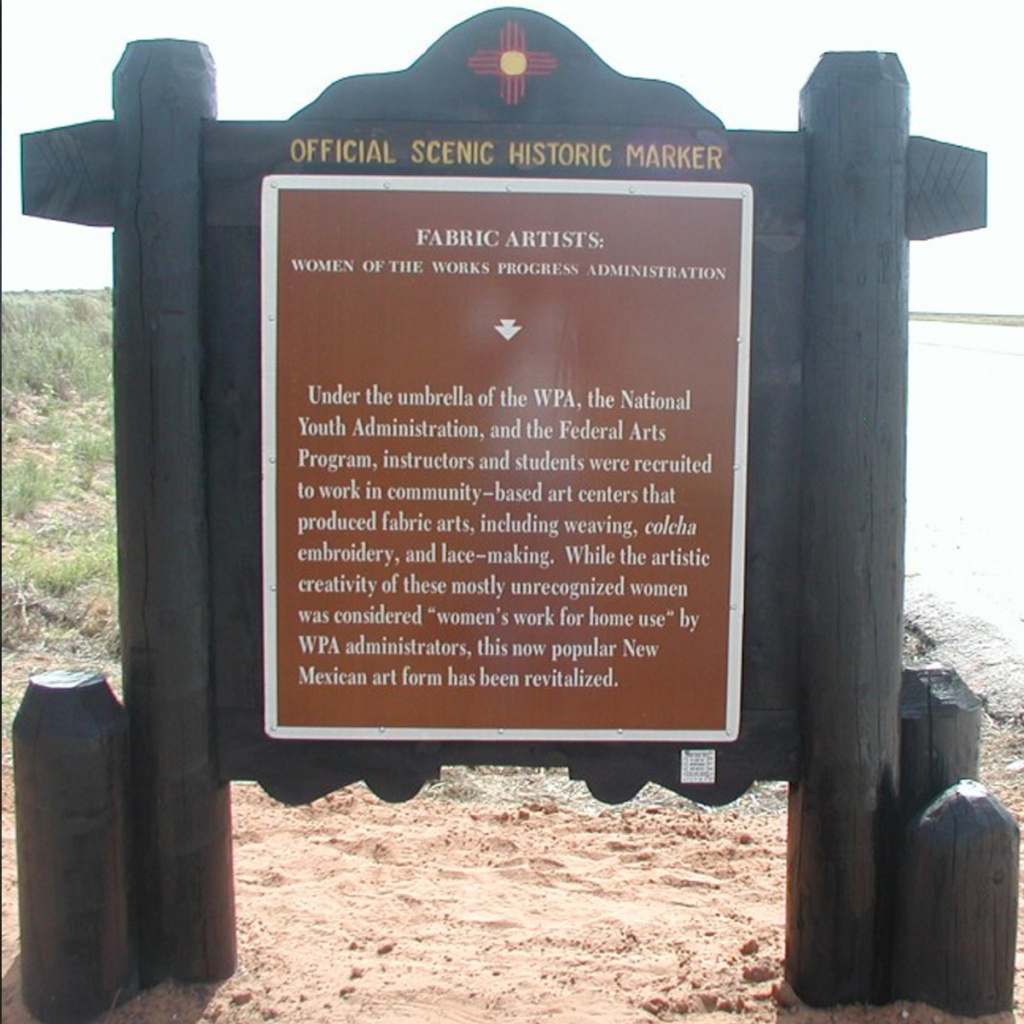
(746, 61)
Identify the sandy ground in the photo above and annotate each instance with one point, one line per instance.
(506, 897)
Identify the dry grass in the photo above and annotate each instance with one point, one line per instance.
(59, 543)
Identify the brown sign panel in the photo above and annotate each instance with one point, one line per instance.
(504, 457)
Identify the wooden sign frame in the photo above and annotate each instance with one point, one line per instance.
(837, 203)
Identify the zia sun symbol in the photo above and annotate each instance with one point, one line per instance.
(512, 62)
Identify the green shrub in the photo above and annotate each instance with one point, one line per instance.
(56, 344)
(56, 566)
(25, 485)
(59, 537)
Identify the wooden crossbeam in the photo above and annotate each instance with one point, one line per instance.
(946, 188)
(68, 173)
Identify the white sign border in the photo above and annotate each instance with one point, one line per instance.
(273, 185)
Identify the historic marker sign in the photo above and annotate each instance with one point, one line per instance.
(503, 448)
(504, 457)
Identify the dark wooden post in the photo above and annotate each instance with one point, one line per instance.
(940, 735)
(956, 929)
(162, 92)
(842, 829)
(70, 741)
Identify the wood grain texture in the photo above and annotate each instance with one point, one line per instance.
(162, 91)
(68, 173)
(841, 831)
(959, 899)
(78, 952)
(947, 188)
(940, 734)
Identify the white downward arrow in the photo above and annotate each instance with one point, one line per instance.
(508, 329)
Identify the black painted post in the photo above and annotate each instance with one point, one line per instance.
(162, 92)
(70, 740)
(842, 832)
(956, 932)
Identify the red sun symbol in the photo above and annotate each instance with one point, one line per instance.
(512, 62)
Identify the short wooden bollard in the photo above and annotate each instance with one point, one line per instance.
(70, 741)
(957, 917)
(940, 734)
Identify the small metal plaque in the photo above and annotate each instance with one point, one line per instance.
(697, 767)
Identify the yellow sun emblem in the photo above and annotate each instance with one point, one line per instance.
(513, 62)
